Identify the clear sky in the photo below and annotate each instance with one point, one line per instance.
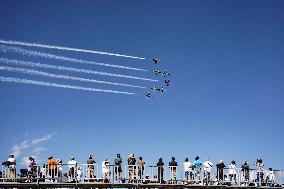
(226, 98)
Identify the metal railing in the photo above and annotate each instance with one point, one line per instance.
(86, 173)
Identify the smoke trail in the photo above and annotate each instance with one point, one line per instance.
(64, 68)
(62, 58)
(56, 85)
(45, 74)
(65, 48)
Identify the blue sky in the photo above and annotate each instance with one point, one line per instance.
(226, 98)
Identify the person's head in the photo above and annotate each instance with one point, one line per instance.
(59, 160)
(50, 157)
(11, 156)
(270, 169)
(173, 158)
(245, 162)
(186, 160)
(196, 157)
(221, 161)
(260, 160)
(233, 162)
(118, 155)
(31, 158)
(160, 159)
(90, 156)
(140, 158)
(72, 158)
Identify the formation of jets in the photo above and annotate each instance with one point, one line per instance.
(158, 72)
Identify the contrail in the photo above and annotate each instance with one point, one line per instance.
(5, 48)
(58, 76)
(56, 85)
(65, 48)
(64, 68)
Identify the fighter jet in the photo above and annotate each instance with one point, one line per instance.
(166, 73)
(161, 89)
(154, 88)
(167, 82)
(148, 95)
(157, 72)
(155, 60)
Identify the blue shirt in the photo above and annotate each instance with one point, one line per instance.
(197, 165)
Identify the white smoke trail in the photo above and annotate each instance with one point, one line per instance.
(46, 74)
(56, 85)
(64, 68)
(4, 48)
(65, 48)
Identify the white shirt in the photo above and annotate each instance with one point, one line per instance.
(232, 170)
(207, 166)
(187, 166)
(105, 168)
(79, 174)
(13, 161)
(271, 176)
(71, 164)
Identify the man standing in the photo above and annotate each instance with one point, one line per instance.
(72, 164)
(160, 166)
(197, 169)
(117, 167)
(207, 170)
(220, 170)
(91, 168)
(141, 165)
(187, 169)
(173, 167)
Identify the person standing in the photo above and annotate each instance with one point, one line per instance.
(11, 164)
(131, 168)
(106, 170)
(117, 167)
(187, 166)
(220, 170)
(60, 170)
(271, 178)
(232, 171)
(72, 164)
(259, 171)
(141, 165)
(245, 170)
(160, 166)
(31, 167)
(197, 169)
(91, 168)
(173, 167)
(207, 170)
(50, 172)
